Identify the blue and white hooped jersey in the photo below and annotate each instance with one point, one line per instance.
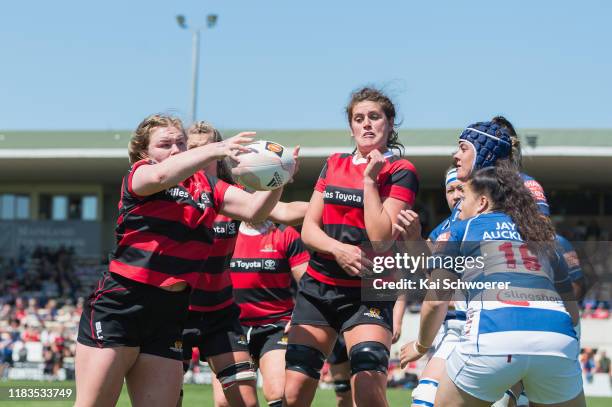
(527, 318)
(570, 256)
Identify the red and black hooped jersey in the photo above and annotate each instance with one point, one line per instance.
(165, 238)
(341, 183)
(213, 290)
(261, 272)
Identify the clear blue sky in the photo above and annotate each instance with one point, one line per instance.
(292, 64)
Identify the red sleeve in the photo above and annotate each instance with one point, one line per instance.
(322, 181)
(294, 247)
(219, 190)
(131, 174)
(402, 182)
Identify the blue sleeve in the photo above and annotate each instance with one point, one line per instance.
(448, 245)
(433, 235)
(563, 283)
(571, 258)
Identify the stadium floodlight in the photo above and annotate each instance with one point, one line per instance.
(180, 19)
(211, 21)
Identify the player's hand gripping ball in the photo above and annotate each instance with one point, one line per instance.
(265, 167)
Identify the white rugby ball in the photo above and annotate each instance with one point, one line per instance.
(267, 166)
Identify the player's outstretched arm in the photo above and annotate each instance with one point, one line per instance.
(289, 213)
(150, 179)
(254, 208)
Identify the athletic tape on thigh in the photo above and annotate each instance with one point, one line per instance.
(369, 356)
(239, 372)
(425, 393)
(304, 359)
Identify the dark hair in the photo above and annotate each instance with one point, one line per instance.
(202, 127)
(509, 195)
(372, 94)
(516, 155)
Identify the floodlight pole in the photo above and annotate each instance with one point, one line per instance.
(195, 55)
(211, 20)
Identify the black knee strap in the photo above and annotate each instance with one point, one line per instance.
(275, 403)
(369, 356)
(304, 359)
(342, 386)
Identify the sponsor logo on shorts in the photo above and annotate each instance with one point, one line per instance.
(373, 312)
(99, 330)
(283, 341)
(275, 148)
(178, 347)
(242, 340)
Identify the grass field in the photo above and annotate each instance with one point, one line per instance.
(201, 396)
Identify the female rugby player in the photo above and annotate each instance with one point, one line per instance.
(131, 327)
(213, 324)
(506, 339)
(356, 200)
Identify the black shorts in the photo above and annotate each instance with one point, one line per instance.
(338, 307)
(124, 312)
(339, 353)
(214, 333)
(265, 338)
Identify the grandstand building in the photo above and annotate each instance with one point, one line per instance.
(62, 187)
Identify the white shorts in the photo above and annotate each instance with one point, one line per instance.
(447, 338)
(547, 379)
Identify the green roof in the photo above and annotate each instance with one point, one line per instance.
(75, 139)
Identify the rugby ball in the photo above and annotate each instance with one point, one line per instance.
(265, 167)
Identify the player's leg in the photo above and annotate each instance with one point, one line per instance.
(340, 370)
(218, 395)
(236, 373)
(341, 375)
(100, 373)
(271, 361)
(308, 345)
(155, 381)
(425, 392)
(108, 341)
(368, 346)
(272, 368)
(444, 344)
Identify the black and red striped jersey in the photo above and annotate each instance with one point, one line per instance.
(213, 291)
(341, 183)
(165, 238)
(261, 272)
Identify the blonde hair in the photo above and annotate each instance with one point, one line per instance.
(139, 143)
(202, 127)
